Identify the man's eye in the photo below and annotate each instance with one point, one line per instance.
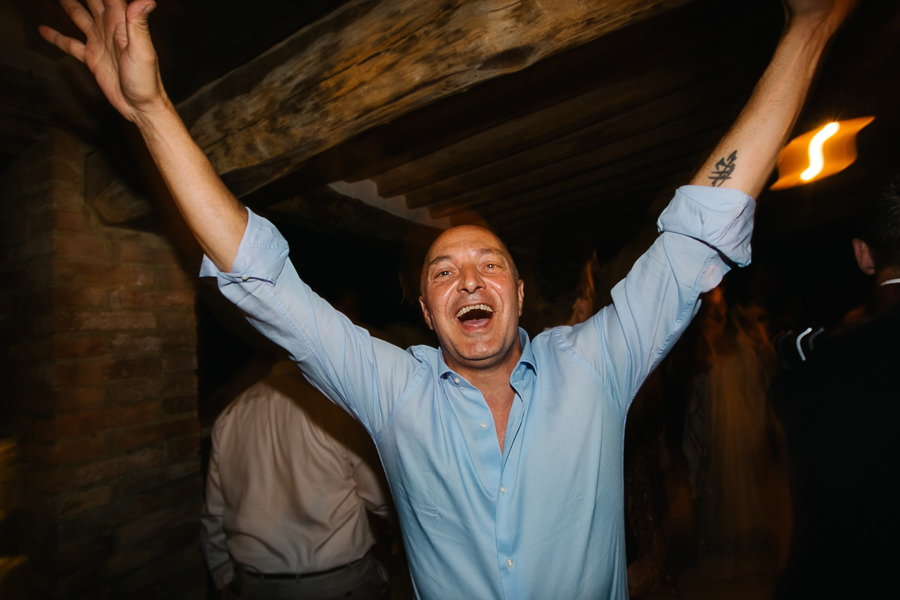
(442, 273)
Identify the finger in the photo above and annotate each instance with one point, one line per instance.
(97, 7)
(68, 45)
(82, 18)
(120, 35)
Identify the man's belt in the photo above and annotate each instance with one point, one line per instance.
(249, 571)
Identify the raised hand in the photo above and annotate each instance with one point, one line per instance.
(828, 14)
(118, 51)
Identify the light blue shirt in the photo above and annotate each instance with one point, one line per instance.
(544, 518)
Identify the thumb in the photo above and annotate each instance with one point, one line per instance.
(136, 15)
(138, 27)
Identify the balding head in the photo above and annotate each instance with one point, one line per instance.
(435, 250)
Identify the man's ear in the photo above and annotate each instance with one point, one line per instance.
(426, 313)
(521, 296)
(863, 256)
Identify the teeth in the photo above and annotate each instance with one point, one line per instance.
(467, 309)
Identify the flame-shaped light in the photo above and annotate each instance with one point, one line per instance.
(816, 158)
(819, 153)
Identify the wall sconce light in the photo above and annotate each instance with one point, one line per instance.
(819, 153)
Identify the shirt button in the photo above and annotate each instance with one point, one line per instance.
(483, 425)
(509, 563)
(244, 278)
(502, 489)
(456, 380)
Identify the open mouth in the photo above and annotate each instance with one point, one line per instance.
(475, 311)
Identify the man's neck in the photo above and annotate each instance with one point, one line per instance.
(489, 376)
(489, 372)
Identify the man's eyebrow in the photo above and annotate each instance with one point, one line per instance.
(436, 260)
(482, 252)
(492, 250)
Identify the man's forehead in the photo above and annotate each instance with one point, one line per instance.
(467, 238)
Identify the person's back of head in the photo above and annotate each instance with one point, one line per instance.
(877, 245)
(880, 226)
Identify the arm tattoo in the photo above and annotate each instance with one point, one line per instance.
(723, 170)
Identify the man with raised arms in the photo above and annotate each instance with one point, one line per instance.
(503, 453)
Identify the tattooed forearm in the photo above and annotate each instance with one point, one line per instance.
(723, 169)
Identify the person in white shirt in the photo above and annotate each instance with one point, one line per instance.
(289, 488)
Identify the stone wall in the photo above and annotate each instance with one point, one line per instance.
(102, 471)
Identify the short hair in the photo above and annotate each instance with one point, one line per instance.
(880, 224)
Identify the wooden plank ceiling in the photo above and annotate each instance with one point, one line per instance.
(562, 125)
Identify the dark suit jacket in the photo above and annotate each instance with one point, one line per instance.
(841, 414)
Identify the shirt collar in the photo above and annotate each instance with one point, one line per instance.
(527, 358)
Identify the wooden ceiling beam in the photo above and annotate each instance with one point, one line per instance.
(371, 61)
(365, 64)
(572, 159)
(600, 187)
(522, 135)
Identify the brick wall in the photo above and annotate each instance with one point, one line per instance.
(98, 334)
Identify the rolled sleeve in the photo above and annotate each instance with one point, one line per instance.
(721, 218)
(260, 257)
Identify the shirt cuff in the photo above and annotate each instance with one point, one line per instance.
(260, 256)
(719, 217)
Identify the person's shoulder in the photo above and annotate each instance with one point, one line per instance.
(877, 333)
(828, 359)
(816, 344)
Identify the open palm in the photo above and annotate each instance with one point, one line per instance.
(117, 49)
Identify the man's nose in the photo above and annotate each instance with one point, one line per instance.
(471, 280)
